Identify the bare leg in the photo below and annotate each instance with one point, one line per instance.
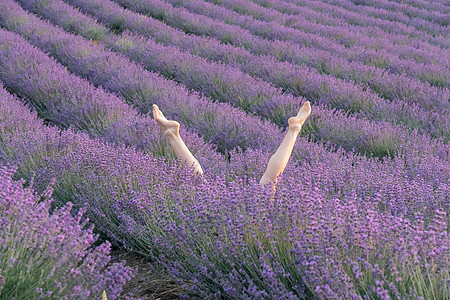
(171, 130)
(279, 160)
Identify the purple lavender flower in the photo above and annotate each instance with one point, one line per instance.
(47, 254)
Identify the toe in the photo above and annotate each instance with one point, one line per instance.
(155, 113)
(306, 108)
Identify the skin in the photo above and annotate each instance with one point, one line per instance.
(171, 130)
(277, 162)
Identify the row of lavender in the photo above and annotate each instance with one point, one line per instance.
(217, 81)
(343, 33)
(320, 21)
(162, 212)
(433, 12)
(299, 81)
(42, 255)
(402, 61)
(390, 20)
(335, 15)
(238, 10)
(280, 46)
(427, 65)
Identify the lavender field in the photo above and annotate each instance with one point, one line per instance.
(362, 210)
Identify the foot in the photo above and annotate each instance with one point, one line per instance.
(295, 123)
(169, 127)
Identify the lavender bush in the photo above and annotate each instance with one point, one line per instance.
(263, 251)
(47, 255)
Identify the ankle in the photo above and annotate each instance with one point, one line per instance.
(294, 128)
(172, 132)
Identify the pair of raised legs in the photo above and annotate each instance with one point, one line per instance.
(277, 162)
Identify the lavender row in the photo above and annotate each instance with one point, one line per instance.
(390, 17)
(328, 14)
(417, 23)
(224, 83)
(439, 17)
(49, 256)
(323, 61)
(298, 81)
(164, 213)
(403, 47)
(427, 5)
(307, 19)
(43, 255)
(68, 101)
(362, 61)
(235, 244)
(278, 41)
(273, 30)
